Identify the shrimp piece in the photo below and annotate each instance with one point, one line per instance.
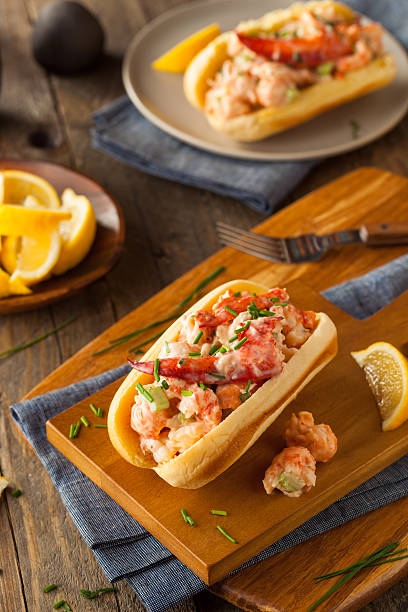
(189, 331)
(318, 439)
(146, 422)
(218, 101)
(203, 404)
(182, 438)
(229, 395)
(259, 357)
(292, 472)
(159, 448)
(362, 56)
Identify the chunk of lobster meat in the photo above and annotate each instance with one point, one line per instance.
(292, 471)
(258, 357)
(232, 395)
(300, 52)
(318, 439)
(220, 315)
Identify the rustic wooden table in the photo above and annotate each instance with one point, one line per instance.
(45, 117)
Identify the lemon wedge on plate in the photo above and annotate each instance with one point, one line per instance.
(29, 221)
(9, 287)
(16, 185)
(386, 370)
(36, 257)
(78, 233)
(178, 58)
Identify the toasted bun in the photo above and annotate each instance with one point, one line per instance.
(312, 100)
(224, 444)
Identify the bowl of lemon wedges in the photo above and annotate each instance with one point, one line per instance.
(59, 231)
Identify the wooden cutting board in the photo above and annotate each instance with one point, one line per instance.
(254, 519)
(284, 582)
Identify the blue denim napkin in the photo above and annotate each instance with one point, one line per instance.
(124, 548)
(123, 132)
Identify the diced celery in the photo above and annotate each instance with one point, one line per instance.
(160, 401)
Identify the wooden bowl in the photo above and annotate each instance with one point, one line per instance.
(110, 234)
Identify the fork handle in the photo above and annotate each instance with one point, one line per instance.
(382, 234)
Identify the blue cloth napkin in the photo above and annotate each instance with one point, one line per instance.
(123, 132)
(124, 548)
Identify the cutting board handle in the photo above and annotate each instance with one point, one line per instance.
(382, 234)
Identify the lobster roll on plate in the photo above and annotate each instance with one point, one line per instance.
(288, 66)
(216, 380)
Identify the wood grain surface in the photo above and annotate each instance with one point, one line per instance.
(39, 543)
(104, 252)
(354, 418)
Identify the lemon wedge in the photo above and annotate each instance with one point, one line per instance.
(178, 58)
(4, 483)
(10, 247)
(78, 233)
(386, 370)
(36, 257)
(9, 287)
(29, 221)
(16, 185)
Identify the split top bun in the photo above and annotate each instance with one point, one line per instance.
(286, 67)
(224, 444)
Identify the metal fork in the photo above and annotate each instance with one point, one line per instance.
(309, 247)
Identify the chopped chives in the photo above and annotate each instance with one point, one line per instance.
(94, 410)
(355, 128)
(85, 421)
(50, 587)
(214, 349)
(254, 294)
(101, 426)
(144, 392)
(202, 385)
(237, 294)
(249, 383)
(187, 518)
(166, 344)
(198, 336)
(274, 299)
(243, 328)
(186, 393)
(72, 431)
(244, 396)
(164, 384)
(219, 512)
(77, 428)
(92, 594)
(217, 375)
(99, 412)
(240, 343)
(190, 521)
(275, 335)
(224, 533)
(283, 304)
(181, 361)
(66, 607)
(233, 338)
(58, 604)
(231, 311)
(266, 313)
(156, 370)
(16, 493)
(223, 349)
(195, 354)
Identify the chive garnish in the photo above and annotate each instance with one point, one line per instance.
(144, 392)
(231, 311)
(16, 493)
(283, 304)
(72, 431)
(240, 343)
(50, 587)
(237, 294)
(21, 347)
(94, 410)
(266, 313)
(214, 349)
(85, 421)
(200, 286)
(166, 344)
(181, 361)
(196, 354)
(217, 375)
(92, 594)
(244, 328)
(186, 393)
(219, 512)
(77, 428)
(233, 338)
(202, 385)
(100, 426)
(187, 518)
(254, 294)
(58, 604)
(156, 370)
(135, 349)
(66, 607)
(225, 534)
(99, 412)
(274, 299)
(275, 335)
(198, 336)
(249, 383)
(355, 128)
(164, 384)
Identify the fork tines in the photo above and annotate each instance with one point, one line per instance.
(272, 249)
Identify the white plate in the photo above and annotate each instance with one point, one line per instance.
(159, 96)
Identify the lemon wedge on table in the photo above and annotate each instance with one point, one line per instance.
(386, 370)
(178, 58)
(16, 185)
(78, 233)
(36, 257)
